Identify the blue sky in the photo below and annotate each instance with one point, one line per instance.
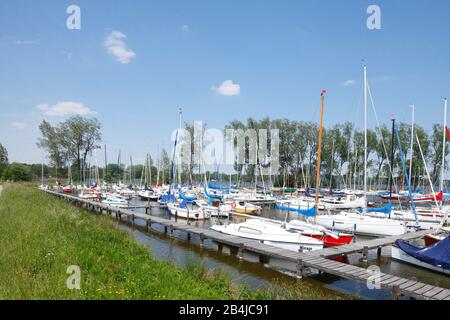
(281, 54)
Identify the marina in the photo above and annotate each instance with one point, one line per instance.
(315, 259)
(225, 159)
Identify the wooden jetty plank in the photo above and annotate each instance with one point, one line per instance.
(442, 295)
(408, 284)
(415, 287)
(389, 281)
(425, 289)
(433, 292)
(399, 282)
(372, 244)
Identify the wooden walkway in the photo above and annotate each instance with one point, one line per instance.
(315, 260)
(364, 246)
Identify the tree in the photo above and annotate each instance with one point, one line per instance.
(51, 141)
(18, 172)
(72, 140)
(437, 146)
(3, 158)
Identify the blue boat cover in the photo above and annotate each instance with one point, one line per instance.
(183, 204)
(167, 198)
(310, 212)
(184, 197)
(218, 187)
(386, 209)
(437, 254)
(212, 196)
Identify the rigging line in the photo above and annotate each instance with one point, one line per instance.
(428, 173)
(413, 206)
(382, 139)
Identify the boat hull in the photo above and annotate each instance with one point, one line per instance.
(187, 214)
(399, 255)
(363, 226)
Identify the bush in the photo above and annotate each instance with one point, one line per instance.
(17, 172)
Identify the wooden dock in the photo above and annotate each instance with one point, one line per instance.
(317, 260)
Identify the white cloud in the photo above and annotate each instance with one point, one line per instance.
(18, 125)
(65, 108)
(114, 43)
(27, 42)
(185, 28)
(227, 88)
(349, 83)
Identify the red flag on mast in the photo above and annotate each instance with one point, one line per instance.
(448, 133)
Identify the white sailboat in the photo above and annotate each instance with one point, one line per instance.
(187, 211)
(361, 223)
(270, 234)
(115, 201)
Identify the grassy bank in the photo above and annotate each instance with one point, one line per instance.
(41, 237)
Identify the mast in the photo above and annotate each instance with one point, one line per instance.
(365, 139)
(150, 168)
(180, 112)
(42, 174)
(106, 167)
(131, 170)
(158, 167)
(391, 172)
(331, 169)
(443, 146)
(412, 144)
(322, 102)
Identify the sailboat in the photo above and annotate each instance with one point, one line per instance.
(434, 256)
(271, 234)
(42, 185)
(69, 187)
(361, 223)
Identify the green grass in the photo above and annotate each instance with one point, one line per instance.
(41, 237)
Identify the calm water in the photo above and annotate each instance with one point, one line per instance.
(249, 271)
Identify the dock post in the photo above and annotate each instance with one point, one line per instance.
(132, 219)
(300, 269)
(165, 229)
(263, 259)
(202, 239)
(379, 252)
(188, 236)
(365, 254)
(241, 251)
(396, 293)
(171, 229)
(219, 247)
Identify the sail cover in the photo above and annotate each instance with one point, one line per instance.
(437, 254)
(309, 212)
(184, 197)
(386, 209)
(168, 198)
(218, 187)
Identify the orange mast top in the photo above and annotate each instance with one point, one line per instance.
(319, 153)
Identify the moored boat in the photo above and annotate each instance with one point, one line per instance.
(270, 234)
